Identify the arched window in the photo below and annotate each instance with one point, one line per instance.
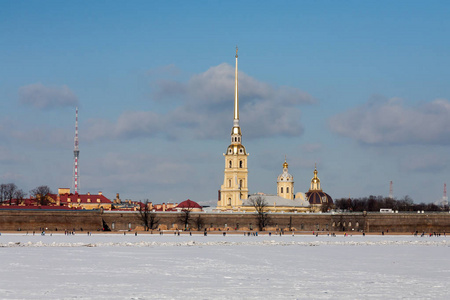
(282, 190)
(229, 202)
(240, 183)
(229, 182)
(230, 164)
(287, 190)
(240, 164)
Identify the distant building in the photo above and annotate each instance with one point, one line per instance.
(276, 203)
(83, 201)
(189, 205)
(185, 205)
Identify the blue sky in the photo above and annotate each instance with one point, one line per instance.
(358, 87)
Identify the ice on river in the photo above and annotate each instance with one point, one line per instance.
(115, 266)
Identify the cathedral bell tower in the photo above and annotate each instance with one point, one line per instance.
(285, 183)
(235, 185)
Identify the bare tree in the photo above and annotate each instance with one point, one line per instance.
(185, 216)
(199, 222)
(19, 195)
(147, 217)
(262, 214)
(9, 192)
(41, 194)
(2, 192)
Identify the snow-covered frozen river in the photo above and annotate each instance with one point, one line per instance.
(114, 266)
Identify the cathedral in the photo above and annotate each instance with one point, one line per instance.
(234, 194)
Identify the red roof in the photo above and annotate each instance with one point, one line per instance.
(189, 204)
(83, 198)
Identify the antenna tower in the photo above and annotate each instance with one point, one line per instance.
(391, 190)
(76, 153)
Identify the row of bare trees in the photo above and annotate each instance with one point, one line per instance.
(375, 203)
(11, 194)
(149, 219)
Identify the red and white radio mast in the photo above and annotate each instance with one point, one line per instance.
(76, 153)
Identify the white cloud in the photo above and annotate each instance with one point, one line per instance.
(205, 109)
(42, 97)
(393, 123)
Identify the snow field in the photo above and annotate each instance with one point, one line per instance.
(110, 266)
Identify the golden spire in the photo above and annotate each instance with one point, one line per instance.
(315, 182)
(236, 94)
(285, 165)
(236, 131)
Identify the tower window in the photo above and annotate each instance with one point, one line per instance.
(287, 190)
(229, 202)
(229, 182)
(230, 164)
(240, 164)
(241, 151)
(282, 190)
(240, 183)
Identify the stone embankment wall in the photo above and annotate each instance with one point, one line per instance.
(34, 220)
(117, 221)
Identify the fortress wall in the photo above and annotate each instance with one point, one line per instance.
(117, 221)
(371, 222)
(223, 221)
(27, 220)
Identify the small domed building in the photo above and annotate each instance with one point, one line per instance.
(317, 198)
(285, 183)
(189, 205)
